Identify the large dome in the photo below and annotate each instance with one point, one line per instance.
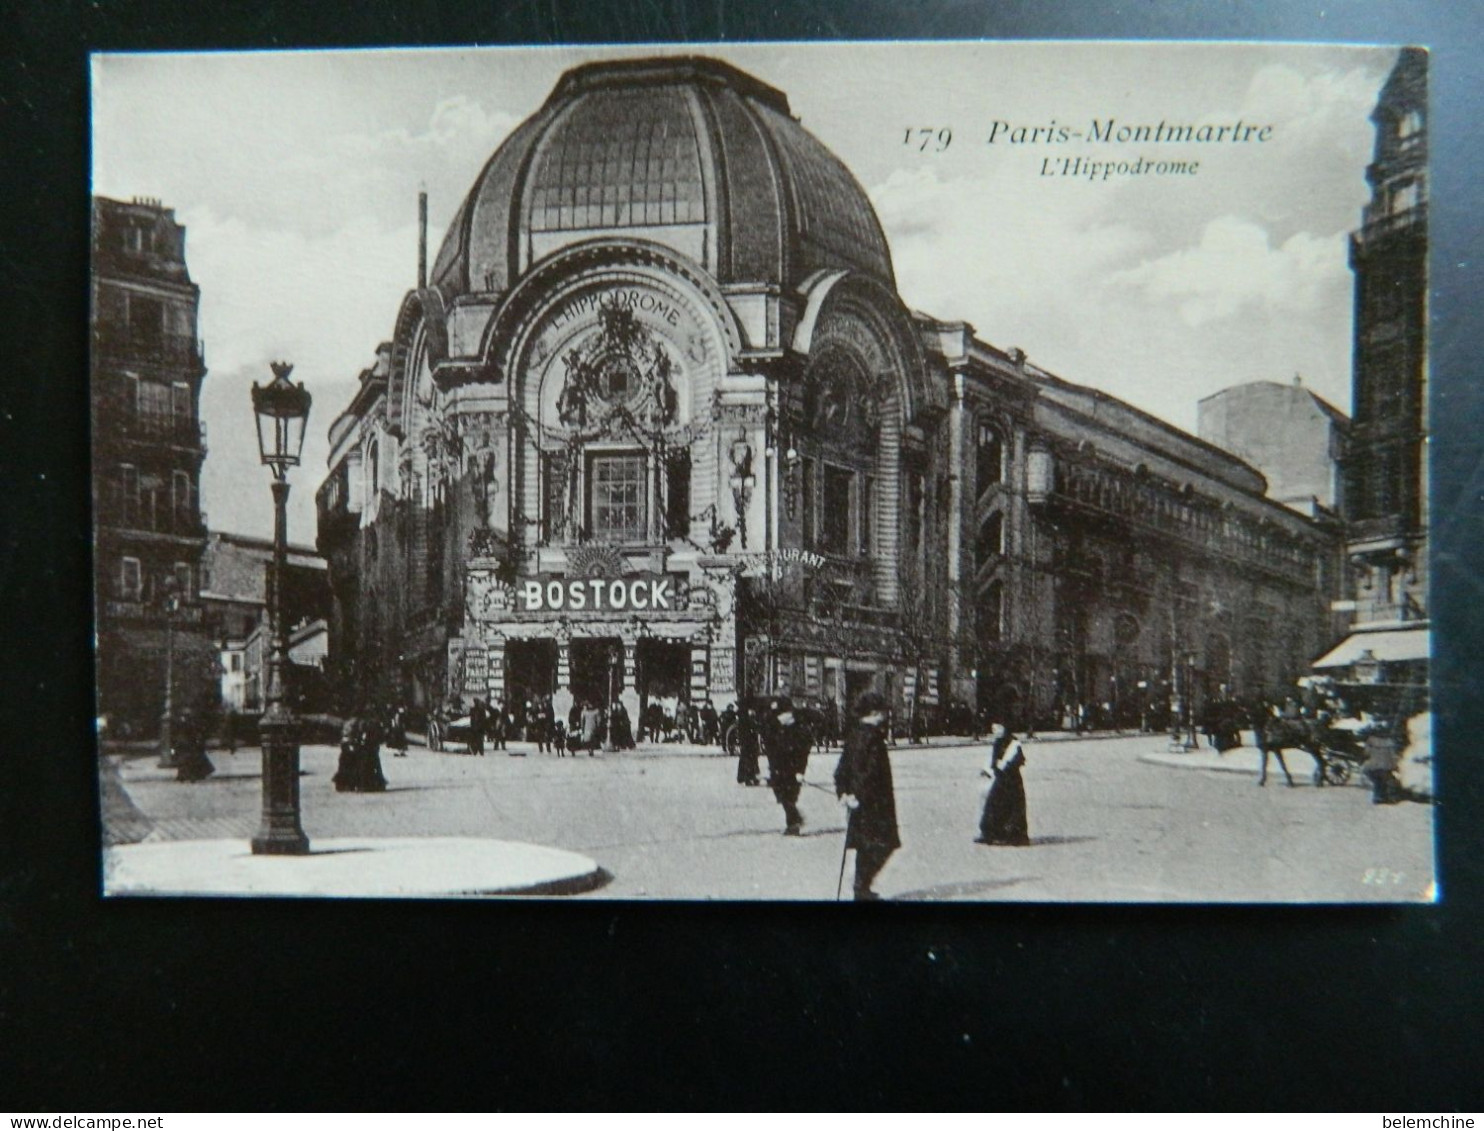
(688, 152)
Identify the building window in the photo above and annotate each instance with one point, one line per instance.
(1409, 125)
(616, 498)
(989, 466)
(183, 584)
(180, 495)
(154, 403)
(1405, 197)
(146, 319)
(835, 511)
(677, 494)
(131, 579)
(916, 502)
(180, 393)
(868, 515)
(810, 522)
(129, 492)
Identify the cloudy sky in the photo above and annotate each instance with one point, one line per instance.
(297, 173)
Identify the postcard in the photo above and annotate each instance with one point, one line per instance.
(830, 472)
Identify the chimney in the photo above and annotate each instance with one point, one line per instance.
(422, 240)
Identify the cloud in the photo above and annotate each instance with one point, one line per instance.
(320, 301)
(1236, 270)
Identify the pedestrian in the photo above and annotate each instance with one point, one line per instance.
(436, 724)
(786, 741)
(229, 730)
(745, 728)
(620, 727)
(710, 735)
(189, 743)
(359, 770)
(1003, 820)
(863, 783)
(499, 725)
(396, 730)
(591, 727)
(479, 716)
(1383, 756)
(559, 738)
(542, 718)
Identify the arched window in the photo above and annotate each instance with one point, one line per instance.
(1409, 125)
(989, 462)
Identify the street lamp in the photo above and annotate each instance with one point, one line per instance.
(169, 606)
(282, 410)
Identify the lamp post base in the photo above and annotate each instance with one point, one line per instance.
(284, 842)
(280, 833)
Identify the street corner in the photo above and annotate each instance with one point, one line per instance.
(352, 868)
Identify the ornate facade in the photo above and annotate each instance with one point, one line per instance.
(658, 425)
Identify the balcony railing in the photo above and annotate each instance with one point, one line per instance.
(120, 417)
(178, 350)
(149, 612)
(124, 512)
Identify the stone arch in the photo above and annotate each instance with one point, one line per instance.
(551, 315)
(422, 312)
(505, 334)
(851, 311)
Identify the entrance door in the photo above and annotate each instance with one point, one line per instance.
(662, 674)
(530, 669)
(597, 669)
(856, 685)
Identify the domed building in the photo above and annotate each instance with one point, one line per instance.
(657, 427)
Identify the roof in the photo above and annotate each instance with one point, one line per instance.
(688, 151)
(1387, 645)
(299, 555)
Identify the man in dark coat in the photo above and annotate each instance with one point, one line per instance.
(748, 770)
(786, 741)
(863, 781)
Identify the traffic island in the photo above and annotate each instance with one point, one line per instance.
(351, 868)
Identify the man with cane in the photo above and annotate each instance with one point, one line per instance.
(863, 783)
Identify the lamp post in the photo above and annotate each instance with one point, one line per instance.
(282, 410)
(169, 604)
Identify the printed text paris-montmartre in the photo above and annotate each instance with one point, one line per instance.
(1111, 130)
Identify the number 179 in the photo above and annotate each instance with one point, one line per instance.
(926, 138)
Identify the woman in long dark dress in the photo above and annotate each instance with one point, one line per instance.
(1004, 818)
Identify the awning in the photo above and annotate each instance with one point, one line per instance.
(1393, 645)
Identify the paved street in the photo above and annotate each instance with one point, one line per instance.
(671, 823)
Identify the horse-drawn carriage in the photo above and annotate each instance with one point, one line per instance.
(1338, 749)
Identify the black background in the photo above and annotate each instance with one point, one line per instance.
(217, 1005)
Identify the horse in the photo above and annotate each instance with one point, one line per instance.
(1277, 734)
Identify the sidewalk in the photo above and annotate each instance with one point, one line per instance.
(164, 837)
